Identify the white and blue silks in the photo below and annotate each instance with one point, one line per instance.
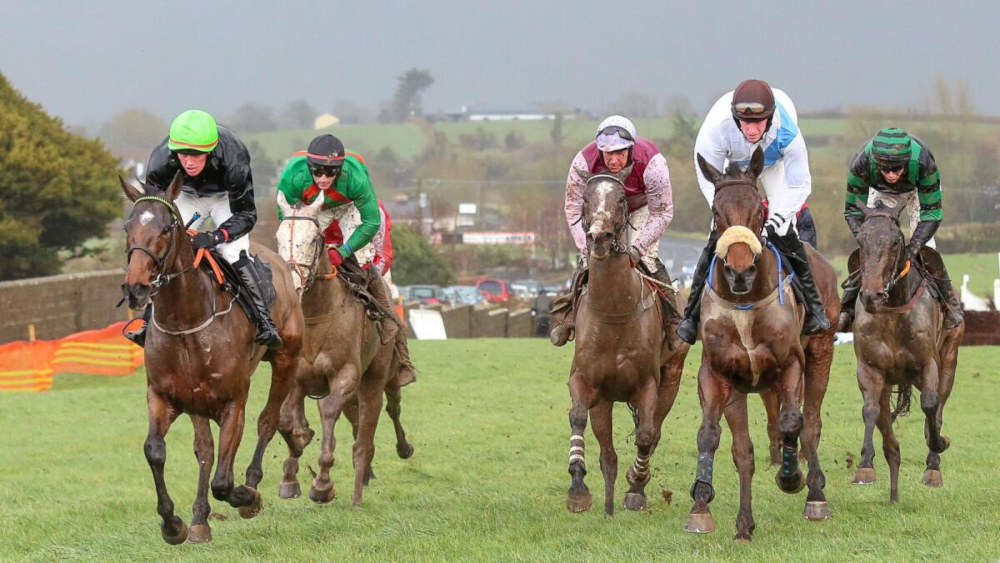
(786, 178)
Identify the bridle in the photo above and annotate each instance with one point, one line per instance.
(160, 278)
(899, 267)
(307, 272)
(738, 182)
(617, 245)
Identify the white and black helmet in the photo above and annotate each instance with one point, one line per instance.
(615, 133)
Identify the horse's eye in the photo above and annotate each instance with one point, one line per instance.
(166, 229)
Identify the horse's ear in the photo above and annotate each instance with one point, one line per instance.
(897, 209)
(864, 209)
(710, 172)
(131, 192)
(283, 205)
(623, 173)
(316, 205)
(584, 174)
(174, 189)
(756, 163)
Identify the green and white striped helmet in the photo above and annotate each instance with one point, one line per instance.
(891, 146)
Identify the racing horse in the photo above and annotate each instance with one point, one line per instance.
(622, 350)
(344, 361)
(199, 356)
(751, 332)
(899, 341)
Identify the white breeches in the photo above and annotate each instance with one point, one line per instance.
(215, 206)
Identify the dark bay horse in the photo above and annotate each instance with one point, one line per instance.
(344, 361)
(751, 331)
(200, 355)
(899, 340)
(622, 352)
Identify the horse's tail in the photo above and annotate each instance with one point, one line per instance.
(903, 392)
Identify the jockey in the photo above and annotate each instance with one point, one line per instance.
(895, 168)
(804, 223)
(649, 197)
(381, 245)
(755, 116)
(342, 178)
(217, 184)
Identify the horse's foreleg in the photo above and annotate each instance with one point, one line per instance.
(230, 434)
(647, 435)
(890, 445)
(714, 393)
(579, 496)
(394, 396)
(600, 420)
(369, 409)
(295, 430)
(736, 417)
(342, 388)
(161, 415)
(282, 379)
(789, 476)
(770, 399)
(872, 385)
(819, 356)
(930, 401)
(204, 450)
(946, 380)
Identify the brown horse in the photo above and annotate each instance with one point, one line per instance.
(200, 355)
(344, 361)
(751, 331)
(899, 340)
(621, 355)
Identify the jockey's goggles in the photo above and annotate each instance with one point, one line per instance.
(616, 130)
(749, 108)
(892, 168)
(328, 171)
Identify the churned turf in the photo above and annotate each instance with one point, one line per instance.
(488, 419)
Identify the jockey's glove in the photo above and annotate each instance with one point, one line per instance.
(775, 226)
(209, 239)
(634, 256)
(336, 258)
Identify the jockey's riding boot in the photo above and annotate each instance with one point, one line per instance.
(815, 321)
(563, 318)
(139, 335)
(390, 323)
(267, 334)
(852, 287)
(407, 374)
(668, 297)
(687, 329)
(953, 315)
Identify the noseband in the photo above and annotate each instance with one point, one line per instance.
(899, 267)
(617, 245)
(161, 277)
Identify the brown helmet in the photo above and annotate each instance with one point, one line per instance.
(753, 100)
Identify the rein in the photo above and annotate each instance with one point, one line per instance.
(617, 245)
(161, 278)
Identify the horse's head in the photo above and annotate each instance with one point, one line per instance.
(154, 237)
(300, 240)
(605, 212)
(882, 252)
(737, 212)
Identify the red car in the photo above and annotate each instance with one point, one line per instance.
(494, 291)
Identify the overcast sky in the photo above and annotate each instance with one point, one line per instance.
(85, 61)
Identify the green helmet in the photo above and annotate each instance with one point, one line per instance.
(891, 146)
(193, 130)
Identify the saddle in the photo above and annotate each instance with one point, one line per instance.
(233, 283)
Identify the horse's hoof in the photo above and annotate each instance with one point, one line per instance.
(791, 487)
(816, 511)
(579, 502)
(635, 501)
(289, 490)
(932, 478)
(181, 535)
(741, 540)
(864, 476)
(405, 450)
(254, 508)
(199, 533)
(700, 523)
(322, 495)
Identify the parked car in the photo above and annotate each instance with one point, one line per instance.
(495, 291)
(462, 294)
(427, 294)
(531, 287)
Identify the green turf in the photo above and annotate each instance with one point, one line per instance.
(488, 479)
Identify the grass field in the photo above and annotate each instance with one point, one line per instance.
(488, 479)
